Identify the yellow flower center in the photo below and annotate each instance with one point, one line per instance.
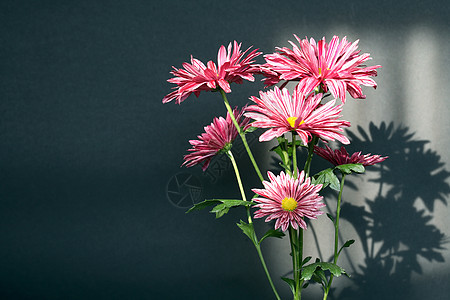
(289, 204)
(320, 71)
(291, 121)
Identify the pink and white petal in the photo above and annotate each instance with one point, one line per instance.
(337, 88)
(221, 56)
(307, 85)
(272, 133)
(224, 85)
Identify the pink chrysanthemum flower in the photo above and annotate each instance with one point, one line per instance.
(232, 66)
(341, 157)
(276, 109)
(288, 200)
(217, 138)
(336, 67)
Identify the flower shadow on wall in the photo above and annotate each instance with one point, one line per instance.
(393, 232)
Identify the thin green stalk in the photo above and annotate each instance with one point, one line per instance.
(294, 156)
(296, 239)
(310, 155)
(298, 282)
(238, 177)
(300, 260)
(299, 238)
(242, 134)
(293, 239)
(286, 157)
(250, 221)
(336, 225)
(336, 235)
(241, 187)
(258, 249)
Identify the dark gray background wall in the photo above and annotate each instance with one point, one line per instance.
(92, 196)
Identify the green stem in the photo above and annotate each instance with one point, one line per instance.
(297, 254)
(293, 239)
(296, 239)
(241, 133)
(336, 235)
(298, 282)
(310, 155)
(286, 157)
(261, 258)
(250, 221)
(294, 155)
(336, 225)
(241, 187)
(300, 261)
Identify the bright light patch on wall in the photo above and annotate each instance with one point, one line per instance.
(421, 75)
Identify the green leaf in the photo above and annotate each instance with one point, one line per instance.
(306, 260)
(250, 129)
(327, 177)
(284, 155)
(319, 277)
(309, 270)
(272, 233)
(330, 217)
(298, 143)
(203, 204)
(248, 231)
(218, 208)
(349, 168)
(230, 203)
(223, 205)
(281, 139)
(347, 244)
(223, 208)
(220, 212)
(291, 283)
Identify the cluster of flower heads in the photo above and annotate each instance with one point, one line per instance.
(336, 67)
(217, 138)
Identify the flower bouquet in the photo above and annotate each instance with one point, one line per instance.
(304, 118)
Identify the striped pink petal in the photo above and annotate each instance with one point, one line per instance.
(275, 108)
(336, 66)
(217, 136)
(233, 66)
(341, 157)
(278, 189)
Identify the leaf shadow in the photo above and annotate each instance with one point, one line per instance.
(410, 183)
